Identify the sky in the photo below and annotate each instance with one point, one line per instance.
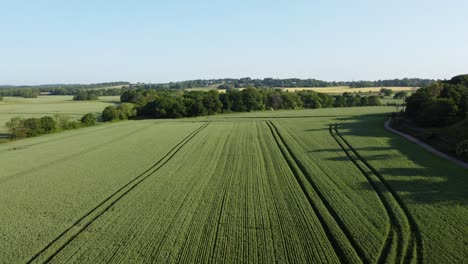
(45, 41)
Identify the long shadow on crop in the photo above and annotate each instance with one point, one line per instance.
(368, 157)
(334, 150)
(430, 180)
(5, 135)
(411, 174)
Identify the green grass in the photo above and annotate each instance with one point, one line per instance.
(262, 187)
(391, 100)
(50, 105)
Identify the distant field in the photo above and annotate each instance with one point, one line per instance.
(308, 186)
(50, 105)
(109, 87)
(210, 87)
(342, 89)
(329, 90)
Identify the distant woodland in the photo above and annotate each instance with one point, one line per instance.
(102, 89)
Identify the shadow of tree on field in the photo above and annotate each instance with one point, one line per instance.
(368, 157)
(419, 175)
(5, 135)
(315, 129)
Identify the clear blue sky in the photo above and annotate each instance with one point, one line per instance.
(85, 41)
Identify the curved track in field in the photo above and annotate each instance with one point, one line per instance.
(68, 235)
(409, 247)
(298, 168)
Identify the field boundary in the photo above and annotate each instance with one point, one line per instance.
(79, 153)
(297, 168)
(415, 239)
(425, 146)
(69, 234)
(56, 138)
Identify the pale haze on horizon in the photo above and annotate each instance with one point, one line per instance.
(154, 41)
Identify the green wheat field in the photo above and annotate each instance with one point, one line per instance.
(315, 186)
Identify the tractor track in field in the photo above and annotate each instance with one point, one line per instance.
(82, 152)
(213, 249)
(415, 239)
(385, 251)
(69, 234)
(298, 168)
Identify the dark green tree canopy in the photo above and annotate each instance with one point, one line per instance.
(441, 103)
(89, 119)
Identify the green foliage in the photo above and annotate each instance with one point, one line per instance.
(20, 92)
(173, 104)
(400, 95)
(440, 104)
(89, 119)
(386, 92)
(462, 149)
(229, 83)
(252, 99)
(350, 100)
(65, 122)
(437, 112)
(211, 102)
(126, 111)
(31, 127)
(86, 96)
(110, 113)
(363, 101)
(48, 124)
(68, 89)
(373, 101)
(16, 128)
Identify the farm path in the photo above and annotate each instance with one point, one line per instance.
(425, 146)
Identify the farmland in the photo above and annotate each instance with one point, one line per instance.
(327, 90)
(308, 186)
(343, 89)
(50, 105)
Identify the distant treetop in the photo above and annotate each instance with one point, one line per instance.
(228, 83)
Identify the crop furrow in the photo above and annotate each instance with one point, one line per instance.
(57, 138)
(384, 253)
(415, 240)
(68, 235)
(297, 169)
(280, 223)
(72, 156)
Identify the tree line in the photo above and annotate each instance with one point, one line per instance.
(229, 83)
(444, 105)
(441, 103)
(175, 104)
(62, 89)
(30, 127)
(86, 96)
(226, 83)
